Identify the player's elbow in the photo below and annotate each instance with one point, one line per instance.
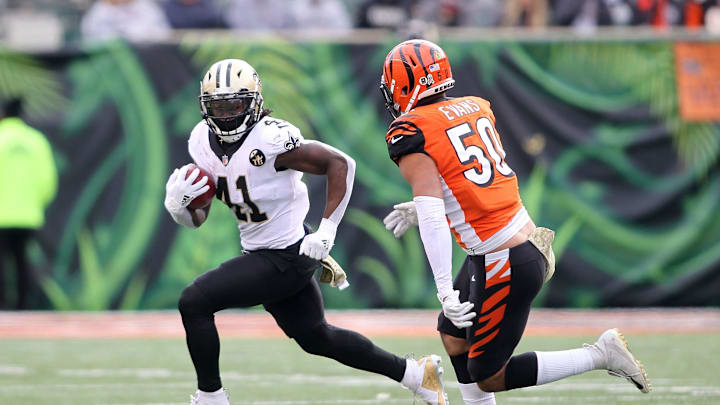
(341, 163)
(199, 216)
(350, 164)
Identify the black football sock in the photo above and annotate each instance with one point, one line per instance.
(459, 362)
(521, 371)
(202, 337)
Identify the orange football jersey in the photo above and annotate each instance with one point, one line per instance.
(480, 190)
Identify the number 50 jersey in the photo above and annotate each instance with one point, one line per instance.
(480, 190)
(270, 205)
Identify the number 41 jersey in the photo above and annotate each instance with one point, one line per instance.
(480, 190)
(270, 205)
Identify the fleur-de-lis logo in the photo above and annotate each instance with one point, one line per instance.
(292, 142)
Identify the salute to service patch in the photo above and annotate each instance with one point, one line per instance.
(257, 158)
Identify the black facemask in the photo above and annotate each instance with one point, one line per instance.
(389, 103)
(230, 111)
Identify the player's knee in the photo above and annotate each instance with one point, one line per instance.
(489, 375)
(494, 383)
(454, 345)
(192, 301)
(315, 340)
(485, 386)
(488, 386)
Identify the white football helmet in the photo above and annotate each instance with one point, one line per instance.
(230, 98)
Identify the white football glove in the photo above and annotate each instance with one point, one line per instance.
(458, 313)
(402, 217)
(179, 191)
(317, 245)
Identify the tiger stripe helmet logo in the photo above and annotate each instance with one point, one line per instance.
(414, 70)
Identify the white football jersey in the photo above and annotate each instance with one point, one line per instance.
(270, 205)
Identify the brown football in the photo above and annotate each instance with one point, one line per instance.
(204, 199)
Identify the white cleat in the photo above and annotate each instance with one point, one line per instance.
(430, 389)
(215, 398)
(620, 362)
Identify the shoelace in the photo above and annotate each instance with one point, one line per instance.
(593, 347)
(623, 375)
(590, 346)
(612, 372)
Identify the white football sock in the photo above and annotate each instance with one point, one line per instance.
(473, 395)
(413, 375)
(553, 366)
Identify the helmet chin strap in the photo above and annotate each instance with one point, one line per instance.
(231, 138)
(411, 102)
(238, 132)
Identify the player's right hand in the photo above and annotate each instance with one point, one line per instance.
(402, 217)
(180, 189)
(458, 313)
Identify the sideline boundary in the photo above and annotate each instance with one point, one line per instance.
(374, 323)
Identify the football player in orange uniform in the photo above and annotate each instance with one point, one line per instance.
(450, 152)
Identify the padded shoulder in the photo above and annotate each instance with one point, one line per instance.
(278, 136)
(405, 137)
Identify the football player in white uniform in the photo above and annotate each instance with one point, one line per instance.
(256, 162)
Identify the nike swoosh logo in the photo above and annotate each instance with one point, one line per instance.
(472, 278)
(395, 139)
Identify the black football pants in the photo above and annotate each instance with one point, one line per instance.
(13, 243)
(502, 286)
(282, 281)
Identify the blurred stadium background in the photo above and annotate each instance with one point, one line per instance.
(609, 112)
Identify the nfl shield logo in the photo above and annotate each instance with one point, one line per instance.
(225, 160)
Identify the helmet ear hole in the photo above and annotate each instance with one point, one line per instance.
(404, 91)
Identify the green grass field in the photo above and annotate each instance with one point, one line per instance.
(684, 369)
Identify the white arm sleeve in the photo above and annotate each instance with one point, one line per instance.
(337, 215)
(183, 218)
(435, 235)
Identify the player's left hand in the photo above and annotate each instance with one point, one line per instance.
(317, 245)
(402, 217)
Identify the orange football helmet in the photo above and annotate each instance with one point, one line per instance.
(413, 70)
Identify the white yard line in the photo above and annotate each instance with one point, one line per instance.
(290, 402)
(612, 391)
(612, 385)
(9, 369)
